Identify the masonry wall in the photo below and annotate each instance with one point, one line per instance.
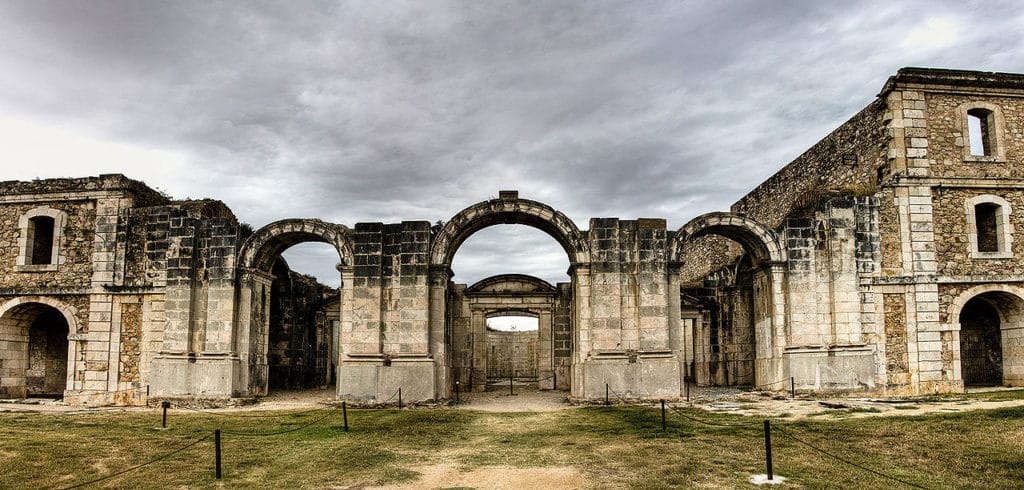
(512, 354)
(845, 161)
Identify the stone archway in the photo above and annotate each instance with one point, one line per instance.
(507, 209)
(480, 354)
(989, 320)
(37, 356)
(764, 289)
(257, 259)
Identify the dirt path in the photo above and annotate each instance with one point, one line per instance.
(530, 399)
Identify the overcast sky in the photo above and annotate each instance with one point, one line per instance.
(390, 111)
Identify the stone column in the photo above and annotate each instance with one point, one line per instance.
(481, 354)
(581, 314)
(545, 350)
(676, 337)
(775, 343)
(440, 275)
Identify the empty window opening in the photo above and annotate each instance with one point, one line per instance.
(41, 240)
(979, 130)
(986, 218)
(513, 324)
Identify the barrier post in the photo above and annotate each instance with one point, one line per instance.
(216, 451)
(606, 400)
(165, 405)
(344, 415)
(768, 447)
(792, 387)
(456, 391)
(686, 381)
(510, 389)
(554, 380)
(663, 428)
(399, 397)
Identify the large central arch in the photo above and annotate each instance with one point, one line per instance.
(507, 209)
(257, 258)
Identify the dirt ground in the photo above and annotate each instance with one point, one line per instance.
(527, 398)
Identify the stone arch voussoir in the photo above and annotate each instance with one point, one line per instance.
(958, 303)
(760, 240)
(11, 308)
(509, 211)
(266, 244)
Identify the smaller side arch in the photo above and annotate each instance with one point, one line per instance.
(17, 317)
(261, 249)
(760, 240)
(958, 303)
(69, 312)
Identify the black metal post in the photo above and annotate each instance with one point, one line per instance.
(606, 400)
(511, 391)
(554, 380)
(165, 405)
(792, 387)
(216, 450)
(399, 398)
(663, 428)
(456, 391)
(344, 415)
(768, 447)
(147, 393)
(686, 381)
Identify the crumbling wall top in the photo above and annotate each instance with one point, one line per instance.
(145, 195)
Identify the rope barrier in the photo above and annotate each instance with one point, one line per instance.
(707, 422)
(222, 414)
(851, 463)
(154, 460)
(275, 433)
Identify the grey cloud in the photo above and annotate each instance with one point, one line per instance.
(370, 111)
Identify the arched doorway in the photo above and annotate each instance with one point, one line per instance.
(991, 337)
(285, 329)
(34, 359)
(507, 209)
(741, 299)
(534, 348)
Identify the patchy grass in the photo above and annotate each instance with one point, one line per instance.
(611, 446)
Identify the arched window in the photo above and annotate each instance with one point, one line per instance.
(989, 227)
(39, 241)
(982, 132)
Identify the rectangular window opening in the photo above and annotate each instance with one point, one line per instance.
(986, 219)
(42, 240)
(979, 132)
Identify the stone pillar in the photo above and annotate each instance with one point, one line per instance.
(545, 350)
(481, 355)
(581, 314)
(676, 336)
(439, 336)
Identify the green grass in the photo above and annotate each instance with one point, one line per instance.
(611, 446)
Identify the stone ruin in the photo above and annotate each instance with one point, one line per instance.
(883, 259)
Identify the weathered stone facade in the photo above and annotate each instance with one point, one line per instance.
(884, 258)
